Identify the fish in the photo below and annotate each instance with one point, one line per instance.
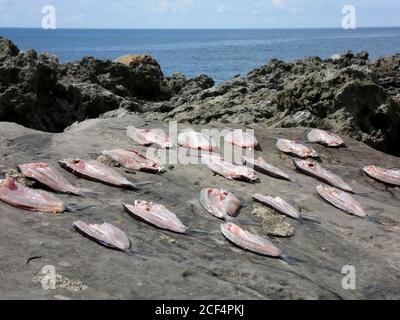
(134, 160)
(341, 200)
(278, 205)
(50, 177)
(250, 242)
(19, 196)
(191, 139)
(147, 137)
(241, 139)
(388, 176)
(156, 215)
(220, 203)
(96, 171)
(314, 169)
(262, 166)
(295, 148)
(231, 171)
(106, 234)
(325, 138)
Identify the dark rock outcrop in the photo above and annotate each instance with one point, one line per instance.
(347, 94)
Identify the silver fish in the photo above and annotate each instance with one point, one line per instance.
(388, 176)
(325, 138)
(220, 203)
(19, 196)
(231, 171)
(191, 139)
(106, 234)
(241, 139)
(341, 200)
(248, 241)
(278, 205)
(314, 169)
(134, 160)
(96, 171)
(156, 215)
(147, 137)
(295, 148)
(51, 178)
(262, 166)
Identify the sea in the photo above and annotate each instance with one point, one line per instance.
(221, 54)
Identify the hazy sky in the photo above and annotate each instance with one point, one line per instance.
(199, 13)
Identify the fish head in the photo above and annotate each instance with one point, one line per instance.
(9, 183)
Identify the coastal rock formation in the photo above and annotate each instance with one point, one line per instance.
(347, 94)
(172, 266)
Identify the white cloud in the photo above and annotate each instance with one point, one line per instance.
(277, 3)
(161, 6)
(221, 8)
(173, 6)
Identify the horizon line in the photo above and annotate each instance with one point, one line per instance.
(202, 28)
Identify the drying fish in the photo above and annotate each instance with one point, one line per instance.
(341, 200)
(19, 196)
(50, 177)
(191, 139)
(147, 137)
(220, 203)
(106, 234)
(314, 169)
(241, 139)
(251, 242)
(262, 166)
(279, 205)
(298, 149)
(325, 138)
(134, 160)
(388, 176)
(96, 171)
(231, 171)
(156, 215)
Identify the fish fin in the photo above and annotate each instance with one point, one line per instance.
(75, 208)
(291, 260)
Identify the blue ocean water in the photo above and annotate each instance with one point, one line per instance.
(220, 54)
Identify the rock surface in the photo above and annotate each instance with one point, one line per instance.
(206, 267)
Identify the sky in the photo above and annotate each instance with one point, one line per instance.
(199, 13)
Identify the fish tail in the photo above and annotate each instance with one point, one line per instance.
(291, 260)
(86, 194)
(132, 253)
(198, 233)
(373, 220)
(138, 185)
(305, 220)
(75, 208)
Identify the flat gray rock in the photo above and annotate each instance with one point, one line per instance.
(206, 267)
